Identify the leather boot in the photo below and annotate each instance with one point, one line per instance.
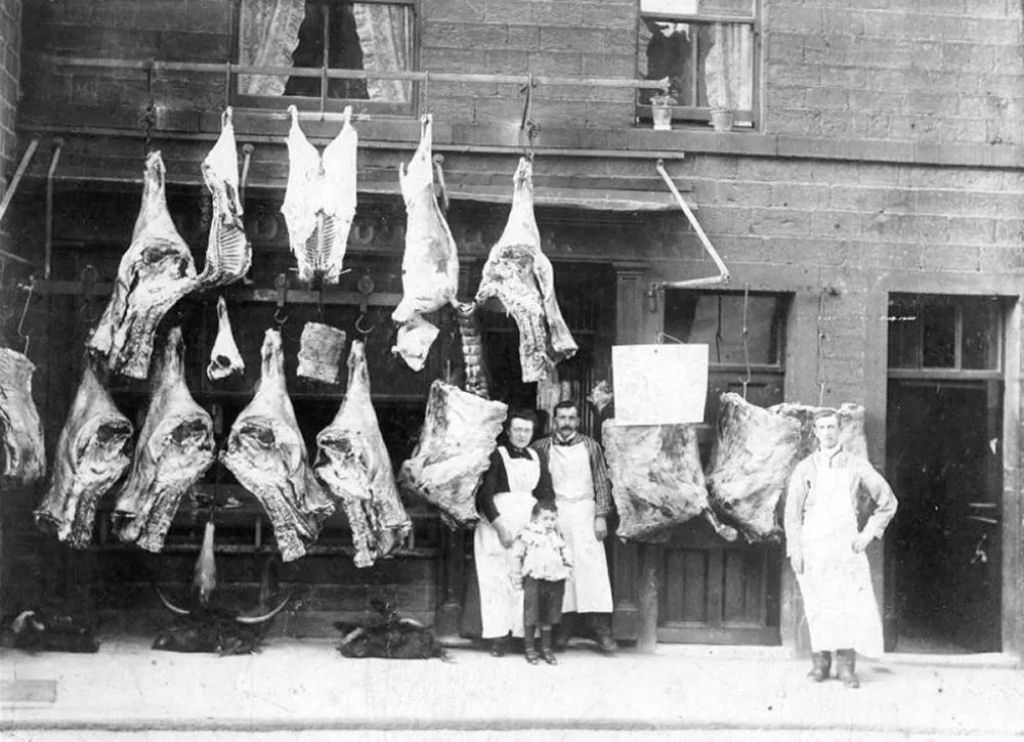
(529, 644)
(563, 632)
(499, 646)
(545, 647)
(602, 623)
(846, 663)
(821, 666)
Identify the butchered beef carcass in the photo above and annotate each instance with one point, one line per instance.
(657, 482)
(754, 454)
(518, 279)
(430, 263)
(266, 453)
(175, 448)
(851, 427)
(354, 466)
(224, 356)
(458, 436)
(92, 455)
(228, 252)
(154, 273)
(22, 449)
(320, 199)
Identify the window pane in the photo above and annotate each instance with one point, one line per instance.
(717, 320)
(980, 344)
(904, 334)
(939, 336)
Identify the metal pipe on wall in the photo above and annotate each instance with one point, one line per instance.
(58, 144)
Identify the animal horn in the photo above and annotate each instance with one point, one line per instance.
(250, 620)
(167, 602)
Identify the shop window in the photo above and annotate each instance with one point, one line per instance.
(944, 333)
(708, 49)
(330, 35)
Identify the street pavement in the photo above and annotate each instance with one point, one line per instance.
(306, 691)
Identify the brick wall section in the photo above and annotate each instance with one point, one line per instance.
(942, 71)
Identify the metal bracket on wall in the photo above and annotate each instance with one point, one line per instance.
(13, 185)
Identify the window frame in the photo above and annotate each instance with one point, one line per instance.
(747, 120)
(324, 103)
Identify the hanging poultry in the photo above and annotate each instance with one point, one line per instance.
(430, 264)
(91, 457)
(154, 273)
(518, 279)
(228, 252)
(22, 449)
(175, 448)
(267, 454)
(320, 199)
(458, 436)
(354, 465)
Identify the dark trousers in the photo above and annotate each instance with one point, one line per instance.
(542, 601)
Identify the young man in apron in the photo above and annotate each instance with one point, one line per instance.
(512, 484)
(825, 544)
(579, 477)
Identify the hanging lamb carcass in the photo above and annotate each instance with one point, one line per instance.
(320, 199)
(155, 272)
(851, 426)
(518, 279)
(754, 454)
(266, 453)
(224, 356)
(430, 263)
(92, 455)
(657, 482)
(458, 436)
(22, 449)
(354, 466)
(175, 448)
(228, 252)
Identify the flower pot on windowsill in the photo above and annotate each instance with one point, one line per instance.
(661, 111)
(722, 119)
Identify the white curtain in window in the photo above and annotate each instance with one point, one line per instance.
(384, 36)
(269, 33)
(729, 67)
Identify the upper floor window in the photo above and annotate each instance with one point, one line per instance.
(944, 333)
(327, 35)
(708, 50)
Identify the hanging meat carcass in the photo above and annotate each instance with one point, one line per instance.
(430, 264)
(22, 450)
(92, 454)
(224, 356)
(354, 465)
(518, 279)
(474, 367)
(228, 252)
(175, 448)
(320, 352)
(267, 454)
(320, 199)
(851, 427)
(657, 482)
(754, 454)
(458, 436)
(154, 273)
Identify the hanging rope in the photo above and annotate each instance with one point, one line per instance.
(718, 333)
(148, 118)
(821, 337)
(21, 323)
(746, 334)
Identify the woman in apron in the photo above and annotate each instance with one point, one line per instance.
(513, 483)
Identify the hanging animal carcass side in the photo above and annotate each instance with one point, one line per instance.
(174, 450)
(458, 436)
(430, 263)
(657, 482)
(22, 449)
(354, 466)
(754, 454)
(224, 356)
(266, 453)
(518, 279)
(92, 455)
(155, 272)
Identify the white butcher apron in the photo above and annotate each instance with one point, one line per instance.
(588, 589)
(501, 604)
(836, 583)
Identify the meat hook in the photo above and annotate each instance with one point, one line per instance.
(359, 322)
(24, 311)
(281, 284)
(746, 349)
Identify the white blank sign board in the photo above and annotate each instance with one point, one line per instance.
(660, 384)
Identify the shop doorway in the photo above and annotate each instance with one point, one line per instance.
(944, 459)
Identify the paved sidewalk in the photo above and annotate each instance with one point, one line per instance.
(307, 687)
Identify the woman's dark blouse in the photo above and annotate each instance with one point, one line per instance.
(496, 482)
